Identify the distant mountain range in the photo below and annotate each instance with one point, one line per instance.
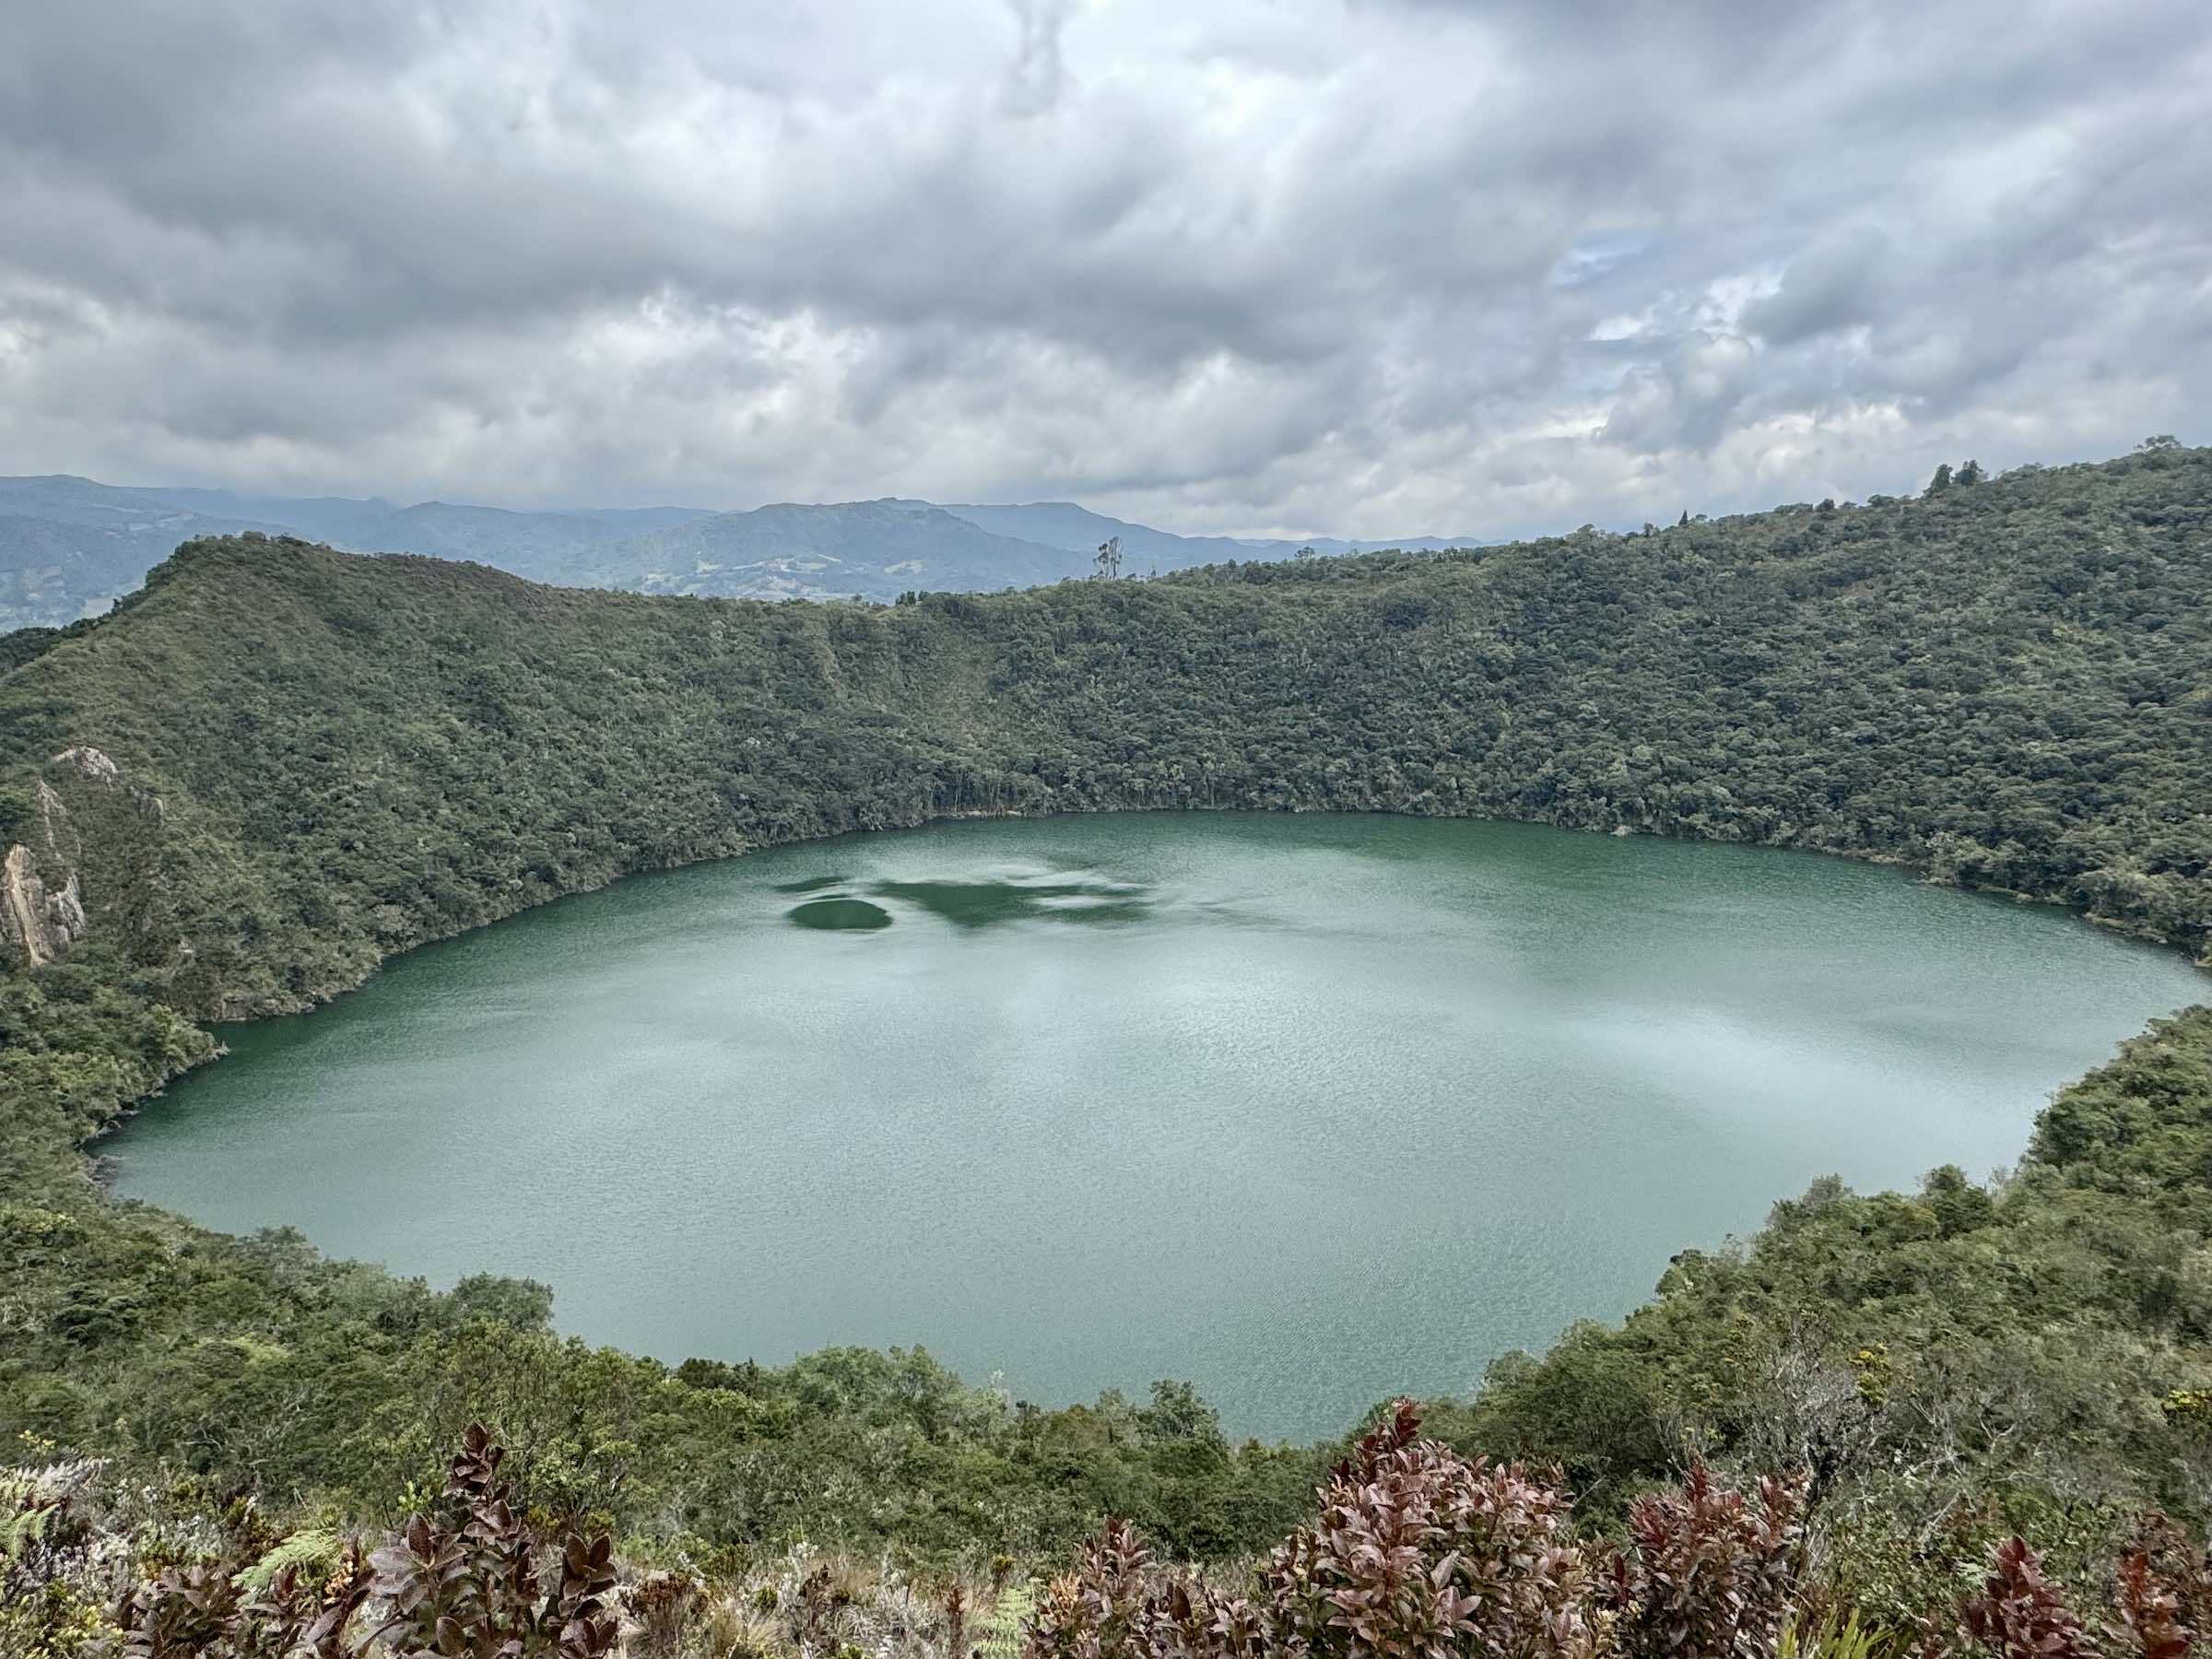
(1064, 525)
(70, 546)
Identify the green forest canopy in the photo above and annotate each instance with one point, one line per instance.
(319, 759)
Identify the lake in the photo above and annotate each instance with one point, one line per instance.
(1307, 1110)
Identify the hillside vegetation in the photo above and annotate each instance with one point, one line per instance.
(278, 764)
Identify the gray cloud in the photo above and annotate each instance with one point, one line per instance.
(1835, 284)
(1370, 267)
(1034, 79)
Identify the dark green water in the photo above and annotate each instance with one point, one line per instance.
(1307, 1110)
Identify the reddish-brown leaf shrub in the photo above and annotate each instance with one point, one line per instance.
(2162, 1595)
(474, 1581)
(2149, 1610)
(2017, 1612)
(1712, 1574)
(2166, 1563)
(470, 1582)
(1418, 1553)
(200, 1611)
(1101, 1610)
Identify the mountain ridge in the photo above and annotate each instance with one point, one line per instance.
(60, 558)
(1076, 527)
(852, 550)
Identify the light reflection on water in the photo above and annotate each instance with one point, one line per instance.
(1308, 1109)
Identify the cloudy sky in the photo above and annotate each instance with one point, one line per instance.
(1361, 266)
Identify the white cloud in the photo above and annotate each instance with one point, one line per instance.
(1390, 265)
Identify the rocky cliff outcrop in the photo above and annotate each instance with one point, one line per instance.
(42, 904)
(38, 923)
(90, 763)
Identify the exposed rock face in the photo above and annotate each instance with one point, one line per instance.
(41, 905)
(65, 918)
(53, 823)
(39, 923)
(23, 906)
(90, 763)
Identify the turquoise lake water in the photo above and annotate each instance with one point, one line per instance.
(1308, 1109)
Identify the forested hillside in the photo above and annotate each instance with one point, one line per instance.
(278, 764)
(2007, 683)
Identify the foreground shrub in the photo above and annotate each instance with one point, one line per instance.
(1418, 1552)
(1413, 1551)
(1712, 1572)
(470, 1578)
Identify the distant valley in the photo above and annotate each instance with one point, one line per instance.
(70, 546)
